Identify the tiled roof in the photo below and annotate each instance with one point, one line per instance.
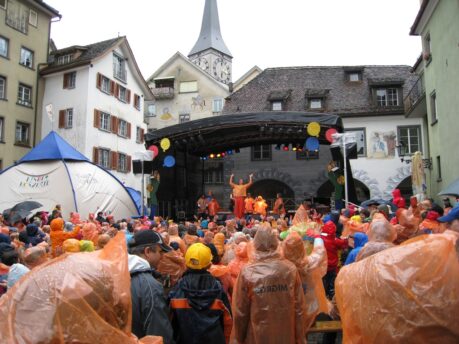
(341, 96)
(88, 53)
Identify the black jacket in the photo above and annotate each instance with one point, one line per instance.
(201, 312)
(149, 307)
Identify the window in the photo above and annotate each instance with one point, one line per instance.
(184, 118)
(276, 106)
(119, 67)
(151, 110)
(24, 95)
(3, 4)
(409, 138)
(360, 137)
(4, 45)
(122, 128)
(438, 169)
(17, 16)
(137, 101)
(217, 105)
(261, 153)
(26, 58)
(2, 87)
(316, 103)
(433, 107)
(2, 133)
(213, 174)
(139, 135)
(66, 118)
(33, 18)
(188, 86)
(104, 121)
(387, 97)
(64, 59)
(105, 84)
(354, 76)
(123, 94)
(22, 133)
(104, 158)
(70, 80)
(122, 163)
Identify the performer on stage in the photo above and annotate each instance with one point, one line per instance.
(239, 193)
(249, 202)
(279, 207)
(152, 188)
(260, 206)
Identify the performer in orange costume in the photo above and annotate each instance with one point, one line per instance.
(239, 193)
(260, 206)
(249, 202)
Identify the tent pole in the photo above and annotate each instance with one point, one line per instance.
(142, 195)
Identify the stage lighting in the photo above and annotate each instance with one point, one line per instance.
(277, 147)
(212, 156)
(294, 148)
(219, 155)
(223, 154)
(229, 152)
(285, 148)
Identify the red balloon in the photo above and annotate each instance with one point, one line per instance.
(154, 149)
(329, 133)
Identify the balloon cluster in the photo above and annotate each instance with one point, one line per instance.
(169, 160)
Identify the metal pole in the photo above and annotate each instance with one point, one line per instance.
(345, 172)
(143, 191)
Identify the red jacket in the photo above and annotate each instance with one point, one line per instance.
(332, 244)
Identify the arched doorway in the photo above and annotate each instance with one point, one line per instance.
(269, 188)
(325, 190)
(405, 187)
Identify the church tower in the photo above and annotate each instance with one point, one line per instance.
(210, 52)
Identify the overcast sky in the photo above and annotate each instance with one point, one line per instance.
(257, 32)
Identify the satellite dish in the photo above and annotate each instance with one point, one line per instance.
(152, 110)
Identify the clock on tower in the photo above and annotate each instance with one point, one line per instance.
(222, 70)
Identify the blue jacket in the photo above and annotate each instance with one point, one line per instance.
(360, 239)
(201, 312)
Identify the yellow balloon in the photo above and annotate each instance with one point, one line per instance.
(165, 144)
(314, 129)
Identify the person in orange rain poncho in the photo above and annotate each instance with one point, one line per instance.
(76, 298)
(191, 237)
(240, 260)
(408, 221)
(172, 264)
(174, 237)
(248, 205)
(408, 294)
(213, 207)
(268, 301)
(302, 213)
(279, 207)
(89, 231)
(219, 242)
(311, 268)
(259, 207)
(380, 237)
(58, 236)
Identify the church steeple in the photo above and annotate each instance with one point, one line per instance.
(210, 36)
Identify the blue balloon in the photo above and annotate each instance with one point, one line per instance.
(169, 161)
(312, 144)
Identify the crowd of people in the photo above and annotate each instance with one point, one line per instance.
(247, 280)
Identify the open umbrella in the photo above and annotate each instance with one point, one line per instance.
(20, 211)
(451, 190)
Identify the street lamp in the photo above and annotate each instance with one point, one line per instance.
(342, 140)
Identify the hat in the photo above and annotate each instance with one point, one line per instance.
(198, 256)
(452, 215)
(147, 238)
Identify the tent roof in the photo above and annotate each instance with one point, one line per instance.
(53, 147)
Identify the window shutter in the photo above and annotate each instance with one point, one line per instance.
(142, 134)
(96, 118)
(114, 124)
(61, 118)
(128, 130)
(99, 81)
(128, 96)
(136, 101)
(112, 87)
(129, 163)
(114, 160)
(95, 155)
(66, 81)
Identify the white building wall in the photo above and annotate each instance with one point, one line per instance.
(381, 176)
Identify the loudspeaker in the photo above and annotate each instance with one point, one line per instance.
(351, 152)
(336, 153)
(137, 167)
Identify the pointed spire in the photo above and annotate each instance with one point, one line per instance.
(210, 36)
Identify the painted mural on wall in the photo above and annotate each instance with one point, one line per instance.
(198, 103)
(382, 145)
(166, 115)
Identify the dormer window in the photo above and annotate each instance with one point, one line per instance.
(316, 103)
(387, 97)
(64, 59)
(354, 76)
(276, 105)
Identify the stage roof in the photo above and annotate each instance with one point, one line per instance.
(220, 133)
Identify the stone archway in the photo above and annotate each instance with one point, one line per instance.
(402, 173)
(405, 187)
(269, 188)
(325, 190)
